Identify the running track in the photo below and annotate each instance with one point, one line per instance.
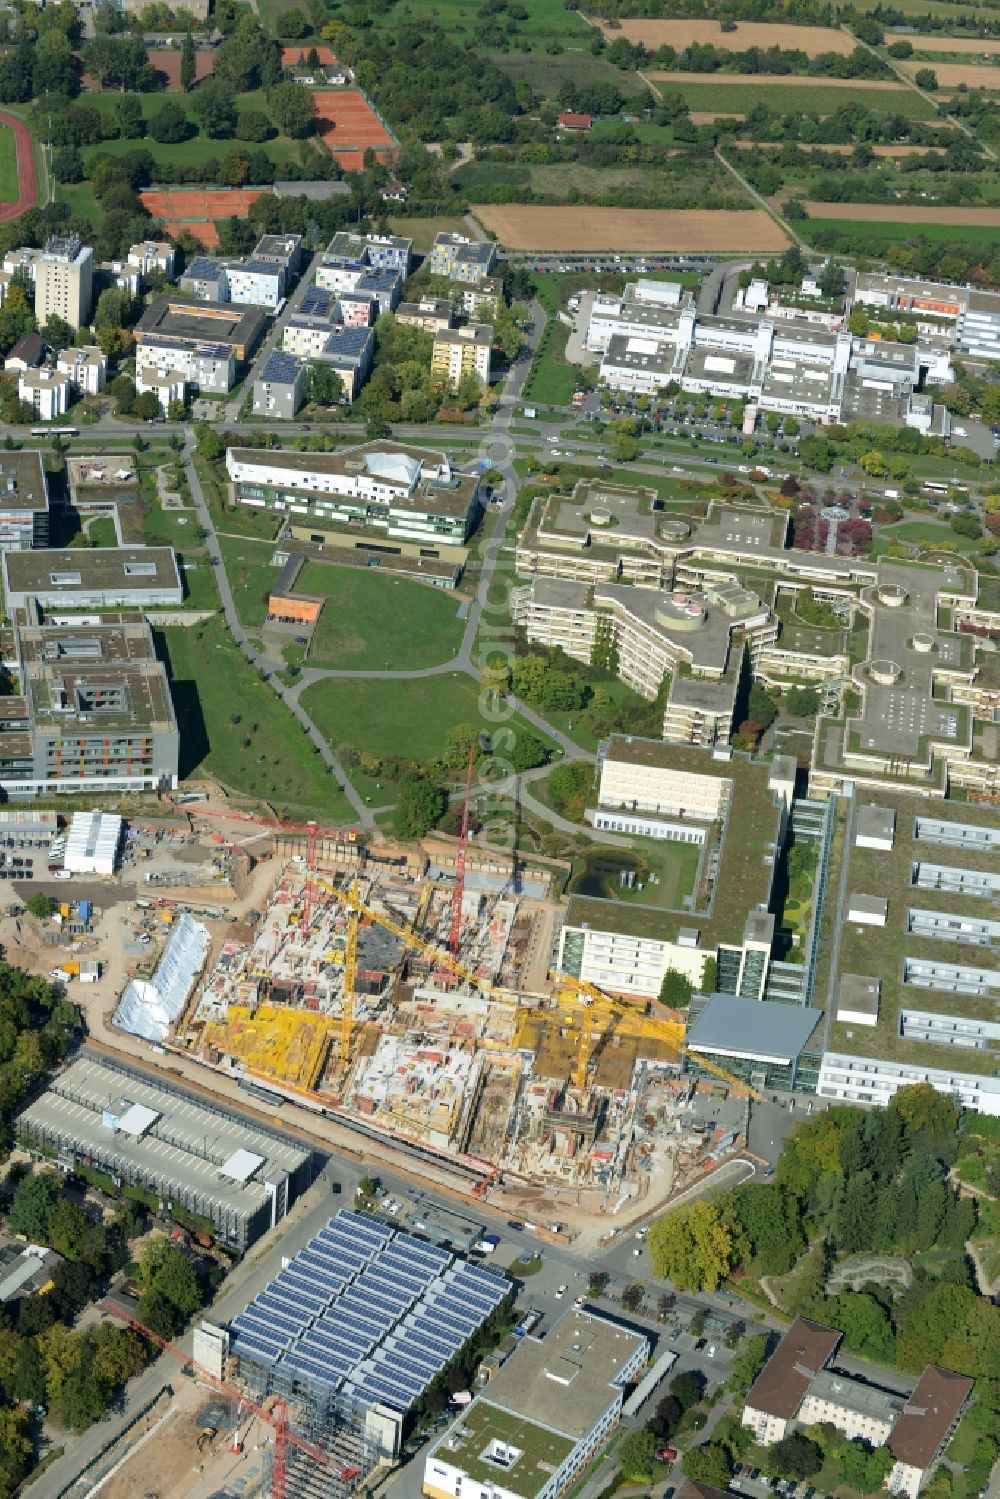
(27, 184)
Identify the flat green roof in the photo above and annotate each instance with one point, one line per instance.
(542, 1451)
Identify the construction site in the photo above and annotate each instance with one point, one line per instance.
(413, 1000)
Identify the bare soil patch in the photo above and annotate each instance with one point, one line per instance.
(793, 80)
(900, 213)
(968, 46)
(631, 229)
(680, 33)
(952, 74)
(832, 149)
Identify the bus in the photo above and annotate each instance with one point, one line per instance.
(934, 486)
(55, 432)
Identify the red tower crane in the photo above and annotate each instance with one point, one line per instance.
(276, 1418)
(455, 933)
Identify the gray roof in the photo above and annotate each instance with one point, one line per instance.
(751, 1027)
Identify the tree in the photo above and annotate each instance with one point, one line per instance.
(926, 78)
(761, 708)
(293, 109)
(324, 385)
(214, 104)
(528, 751)
(169, 125)
(865, 1325)
(796, 1456)
(254, 125)
(676, 990)
(291, 25)
(147, 405)
(636, 1455)
(67, 1229)
(688, 1388)
(67, 164)
(966, 525)
(709, 1463)
(747, 1364)
(32, 1205)
(692, 1245)
(117, 61)
(803, 702)
(189, 63)
(569, 786)
(862, 1467)
(115, 308)
(40, 906)
(419, 807)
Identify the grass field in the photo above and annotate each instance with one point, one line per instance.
(926, 534)
(398, 718)
(251, 574)
(102, 532)
(575, 182)
(866, 231)
(716, 94)
(278, 764)
(370, 619)
(630, 229)
(544, 74)
(545, 19)
(8, 166)
(422, 231)
(194, 151)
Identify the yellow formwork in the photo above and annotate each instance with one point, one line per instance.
(275, 1041)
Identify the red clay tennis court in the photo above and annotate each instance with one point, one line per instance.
(290, 55)
(197, 209)
(348, 127)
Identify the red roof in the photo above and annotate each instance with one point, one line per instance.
(575, 122)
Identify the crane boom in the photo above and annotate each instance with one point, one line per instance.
(277, 1418)
(350, 978)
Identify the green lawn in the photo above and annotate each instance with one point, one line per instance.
(8, 166)
(102, 532)
(263, 524)
(265, 754)
(866, 234)
(192, 152)
(544, 73)
(810, 98)
(251, 574)
(397, 718)
(926, 534)
(371, 619)
(547, 18)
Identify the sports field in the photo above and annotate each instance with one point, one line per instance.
(371, 620)
(630, 229)
(681, 33)
(168, 62)
(8, 165)
(197, 209)
(290, 55)
(899, 213)
(954, 74)
(348, 126)
(736, 93)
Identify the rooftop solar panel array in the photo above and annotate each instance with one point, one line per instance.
(367, 1313)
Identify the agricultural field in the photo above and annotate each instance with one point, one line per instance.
(899, 213)
(634, 230)
(681, 33)
(956, 74)
(967, 45)
(719, 93)
(370, 619)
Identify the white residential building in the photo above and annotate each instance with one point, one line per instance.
(46, 390)
(64, 281)
(152, 255)
(86, 368)
(170, 386)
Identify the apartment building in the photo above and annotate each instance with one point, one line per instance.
(24, 502)
(257, 282)
(168, 387)
(46, 391)
(462, 259)
(542, 1417)
(801, 1385)
(96, 578)
(349, 351)
(348, 257)
(463, 351)
(94, 712)
(206, 342)
(64, 281)
(481, 299)
(86, 368)
(152, 255)
(308, 328)
(206, 279)
(279, 389)
(384, 491)
(432, 314)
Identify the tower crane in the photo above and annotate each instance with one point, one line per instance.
(276, 1418)
(455, 934)
(350, 977)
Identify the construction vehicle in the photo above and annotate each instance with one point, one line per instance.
(276, 1417)
(206, 1437)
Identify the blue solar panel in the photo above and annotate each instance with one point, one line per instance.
(298, 1286)
(275, 1327)
(283, 1306)
(260, 1350)
(421, 1247)
(434, 1341)
(368, 1310)
(399, 1266)
(312, 1367)
(411, 1284)
(407, 1371)
(389, 1394)
(423, 1357)
(457, 1310)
